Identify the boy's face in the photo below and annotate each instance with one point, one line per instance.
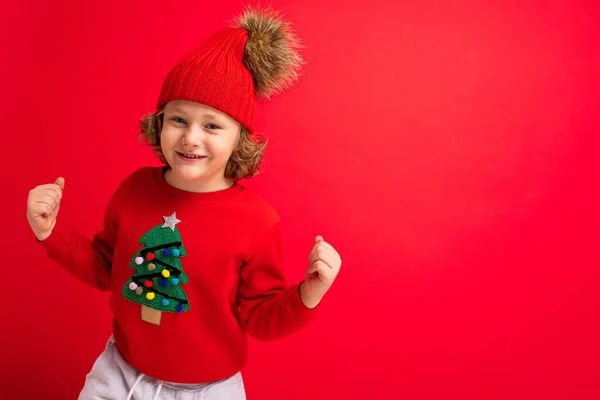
(192, 129)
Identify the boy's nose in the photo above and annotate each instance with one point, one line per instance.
(192, 138)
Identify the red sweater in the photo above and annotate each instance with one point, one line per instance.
(214, 269)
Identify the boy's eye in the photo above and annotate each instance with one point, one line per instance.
(183, 121)
(178, 120)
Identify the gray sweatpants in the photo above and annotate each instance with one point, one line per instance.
(114, 378)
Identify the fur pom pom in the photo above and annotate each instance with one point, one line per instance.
(272, 51)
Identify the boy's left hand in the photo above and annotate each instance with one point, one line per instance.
(324, 263)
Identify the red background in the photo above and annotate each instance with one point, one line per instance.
(444, 148)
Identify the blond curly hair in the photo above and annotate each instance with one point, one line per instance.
(244, 163)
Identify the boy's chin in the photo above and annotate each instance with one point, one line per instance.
(188, 174)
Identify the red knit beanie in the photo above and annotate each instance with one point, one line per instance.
(256, 58)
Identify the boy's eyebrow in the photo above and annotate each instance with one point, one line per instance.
(208, 114)
(213, 116)
(177, 109)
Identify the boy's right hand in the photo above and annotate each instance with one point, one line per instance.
(42, 207)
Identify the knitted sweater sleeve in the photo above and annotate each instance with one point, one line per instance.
(269, 307)
(87, 260)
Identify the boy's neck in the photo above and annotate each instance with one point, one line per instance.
(196, 187)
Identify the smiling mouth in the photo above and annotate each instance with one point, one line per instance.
(190, 156)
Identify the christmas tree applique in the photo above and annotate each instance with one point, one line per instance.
(158, 272)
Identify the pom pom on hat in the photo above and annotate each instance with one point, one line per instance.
(272, 51)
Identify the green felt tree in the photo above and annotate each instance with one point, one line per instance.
(158, 272)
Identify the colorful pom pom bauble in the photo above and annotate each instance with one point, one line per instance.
(166, 273)
(163, 282)
(165, 302)
(151, 267)
(133, 286)
(150, 296)
(150, 256)
(179, 308)
(175, 281)
(176, 252)
(148, 283)
(139, 290)
(139, 260)
(166, 252)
